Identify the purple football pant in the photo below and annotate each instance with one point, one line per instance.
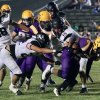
(70, 66)
(28, 64)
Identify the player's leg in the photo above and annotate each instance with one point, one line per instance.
(14, 68)
(21, 79)
(45, 76)
(88, 68)
(43, 65)
(73, 73)
(49, 81)
(83, 62)
(22, 64)
(2, 75)
(65, 72)
(30, 65)
(2, 72)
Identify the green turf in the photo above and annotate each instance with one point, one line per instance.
(34, 93)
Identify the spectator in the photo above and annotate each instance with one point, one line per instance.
(85, 4)
(71, 5)
(96, 8)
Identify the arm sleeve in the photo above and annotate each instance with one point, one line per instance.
(16, 30)
(35, 43)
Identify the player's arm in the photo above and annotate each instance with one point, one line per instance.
(40, 50)
(13, 34)
(32, 27)
(34, 30)
(66, 22)
(21, 26)
(19, 21)
(87, 46)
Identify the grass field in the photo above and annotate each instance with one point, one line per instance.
(34, 94)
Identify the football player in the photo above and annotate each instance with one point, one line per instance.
(44, 18)
(53, 8)
(64, 35)
(87, 50)
(5, 39)
(33, 46)
(6, 11)
(29, 63)
(26, 64)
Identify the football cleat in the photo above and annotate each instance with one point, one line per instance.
(56, 92)
(27, 84)
(42, 89)
(84, 90)
(70, 86)
(18, 92)
(15, 90)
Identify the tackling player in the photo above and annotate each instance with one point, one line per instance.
(64, 34)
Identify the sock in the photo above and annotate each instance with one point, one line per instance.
(0, 83)
(83, 86)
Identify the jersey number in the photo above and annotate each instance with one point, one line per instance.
(3, 32)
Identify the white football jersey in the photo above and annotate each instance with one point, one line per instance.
(22, 50)
(65, 36)
(69, 33)
(4, 31)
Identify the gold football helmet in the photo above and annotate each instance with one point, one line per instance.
(26, 14)
(5, 7)
(27, 17)
(44, 16)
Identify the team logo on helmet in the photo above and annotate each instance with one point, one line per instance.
(43, 39)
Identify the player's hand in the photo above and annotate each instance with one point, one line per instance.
(13, 23)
